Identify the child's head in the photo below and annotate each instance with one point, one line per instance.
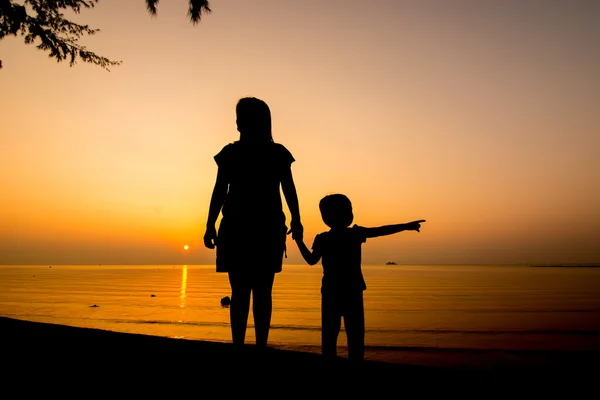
(253, 120)
(336, 211)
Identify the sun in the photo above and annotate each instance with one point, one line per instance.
(186, 247)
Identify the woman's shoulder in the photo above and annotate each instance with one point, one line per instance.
(273, 151)
(228, 147)
(231, 146)
(283, 153)
(279, 146)
(226, 152)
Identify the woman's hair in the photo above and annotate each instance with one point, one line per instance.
(336, 211)
(254, 120)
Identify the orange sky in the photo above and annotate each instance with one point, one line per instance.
(481, 117)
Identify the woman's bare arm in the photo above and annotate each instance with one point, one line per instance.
(291, 198)
(216, 203)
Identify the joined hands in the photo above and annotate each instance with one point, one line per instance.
(297, 230)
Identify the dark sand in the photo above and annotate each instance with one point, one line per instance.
(46, 358)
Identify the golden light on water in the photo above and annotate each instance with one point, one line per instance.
(182, 291)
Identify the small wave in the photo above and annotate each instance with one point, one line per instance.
(527, 311)
(420, 331)
(491, 332)
(464, 350)
(202, 323)
(313, 328)
(457, 331)
(491, 310)
(157, 322)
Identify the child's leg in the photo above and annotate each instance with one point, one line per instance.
(331, 321)
(262, 306)
(354, 324)
(240, 306)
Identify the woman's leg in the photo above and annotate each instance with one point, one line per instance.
(331, 322)
(240, 306)
(262, 306)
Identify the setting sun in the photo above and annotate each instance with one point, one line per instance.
(186, 247)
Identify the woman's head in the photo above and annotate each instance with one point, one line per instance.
(253, 120)
(336, 211)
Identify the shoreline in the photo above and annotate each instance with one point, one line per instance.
(565, 266)
(95, 353)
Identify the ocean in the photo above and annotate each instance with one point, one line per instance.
(428, 315)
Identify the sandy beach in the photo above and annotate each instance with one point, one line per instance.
(142, 363)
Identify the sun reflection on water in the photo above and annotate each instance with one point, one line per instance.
(182, 294)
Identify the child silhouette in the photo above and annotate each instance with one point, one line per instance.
(343, 283)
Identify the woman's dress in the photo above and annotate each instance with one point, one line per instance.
(252, 232)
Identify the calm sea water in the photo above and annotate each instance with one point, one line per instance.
(414, 314)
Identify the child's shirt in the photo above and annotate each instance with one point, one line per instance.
(340, 251)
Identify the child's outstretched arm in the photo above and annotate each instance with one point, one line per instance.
(391, 229)
(310, 257)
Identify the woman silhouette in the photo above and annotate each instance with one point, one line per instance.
(251, 239)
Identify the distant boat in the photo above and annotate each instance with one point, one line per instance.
(391, 263)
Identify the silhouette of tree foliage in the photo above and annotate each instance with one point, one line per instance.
(43, 22)
(195, 11)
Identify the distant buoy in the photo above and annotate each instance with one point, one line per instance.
(152, 295)
(94, 306)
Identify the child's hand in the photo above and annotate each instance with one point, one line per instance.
(414, 225)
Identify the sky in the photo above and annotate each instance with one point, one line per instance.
(481, 117)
